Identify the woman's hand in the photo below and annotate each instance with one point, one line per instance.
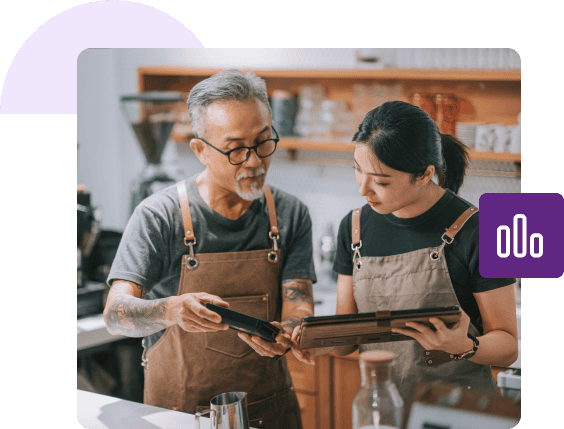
(306, 355)
(451, 340)
(301, 355)
(265, 348)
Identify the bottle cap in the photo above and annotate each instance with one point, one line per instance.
(377, 356)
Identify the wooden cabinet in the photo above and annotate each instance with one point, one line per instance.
(485, 96)
(345, 386)
(327, 390)
(312, 384)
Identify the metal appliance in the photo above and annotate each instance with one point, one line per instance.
(89, 295)
(227, 411)
(152, 115)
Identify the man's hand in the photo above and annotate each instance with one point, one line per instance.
(264, 348)
(126, 313)
(188, 312)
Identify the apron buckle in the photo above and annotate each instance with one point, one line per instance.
(436, 253)
(356, 258)
(144, 361)
(445, 237)
(191, 262)
(273, 254)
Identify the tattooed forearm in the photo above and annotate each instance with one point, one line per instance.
(297, 291)
(134, 317)
(291, 322)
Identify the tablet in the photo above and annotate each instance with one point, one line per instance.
(245, 323)
(366, 328)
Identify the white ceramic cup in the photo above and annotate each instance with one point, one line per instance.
(484, 138)
(501, 138)
(515, 139)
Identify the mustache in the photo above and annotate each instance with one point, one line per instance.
(256, 172)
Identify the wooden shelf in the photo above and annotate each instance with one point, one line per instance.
(338, 145)
(485, 96)
(379, 74)
(495, 156)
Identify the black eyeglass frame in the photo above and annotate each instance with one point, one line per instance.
(249, 149)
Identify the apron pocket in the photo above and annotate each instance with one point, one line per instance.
(228, 342)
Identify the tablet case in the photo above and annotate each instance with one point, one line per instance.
(247, 324)
(244, 323)
(366, 328)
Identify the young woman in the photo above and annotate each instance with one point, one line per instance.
(396, 254)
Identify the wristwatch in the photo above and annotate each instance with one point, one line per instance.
(469, 353)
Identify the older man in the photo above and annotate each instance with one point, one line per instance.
(221, 237)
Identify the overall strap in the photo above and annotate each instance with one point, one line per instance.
(273, 233)
(271, 211)
(448, 236)
(187, 218)
(356, 241)
(185, 207)
(356, 227)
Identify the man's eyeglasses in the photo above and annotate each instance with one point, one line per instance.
(239, 155)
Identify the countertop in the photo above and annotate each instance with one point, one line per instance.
(91, 331)
(95, 411)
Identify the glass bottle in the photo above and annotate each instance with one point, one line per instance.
(378, 404)
(327, 252)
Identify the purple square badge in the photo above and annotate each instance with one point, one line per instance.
(521, 235)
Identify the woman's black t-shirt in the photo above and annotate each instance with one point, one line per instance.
(384, 235)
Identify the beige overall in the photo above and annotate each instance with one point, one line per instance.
(413, 280)
(184, 370)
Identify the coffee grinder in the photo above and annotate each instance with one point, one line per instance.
(156, 113)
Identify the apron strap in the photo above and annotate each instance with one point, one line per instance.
(271, 211)
(185, 207)
(356, 228)
(187, 218)
(448, 236)
(356, 241)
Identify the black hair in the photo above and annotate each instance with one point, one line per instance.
(405, 138)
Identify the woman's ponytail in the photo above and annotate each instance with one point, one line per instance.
(456, 158)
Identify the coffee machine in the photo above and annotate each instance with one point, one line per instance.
(89, 293)
(152, 115)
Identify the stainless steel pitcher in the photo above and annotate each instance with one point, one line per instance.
(227, 411)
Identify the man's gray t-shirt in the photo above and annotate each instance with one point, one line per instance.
(151, 249)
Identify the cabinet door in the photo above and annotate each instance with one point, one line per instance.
(303, 375)
(346, 383)
(308, 409)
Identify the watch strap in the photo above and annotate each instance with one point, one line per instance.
(437, 357)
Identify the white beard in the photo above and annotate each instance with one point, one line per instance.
(255, 191)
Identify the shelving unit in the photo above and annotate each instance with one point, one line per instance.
(484, 96)
(332, 145)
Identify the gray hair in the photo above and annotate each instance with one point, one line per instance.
(228, 84)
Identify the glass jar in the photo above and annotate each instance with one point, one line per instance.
(378, 404)
(309, 108)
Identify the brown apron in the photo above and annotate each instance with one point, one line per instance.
(184, 370)
(413, 280)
